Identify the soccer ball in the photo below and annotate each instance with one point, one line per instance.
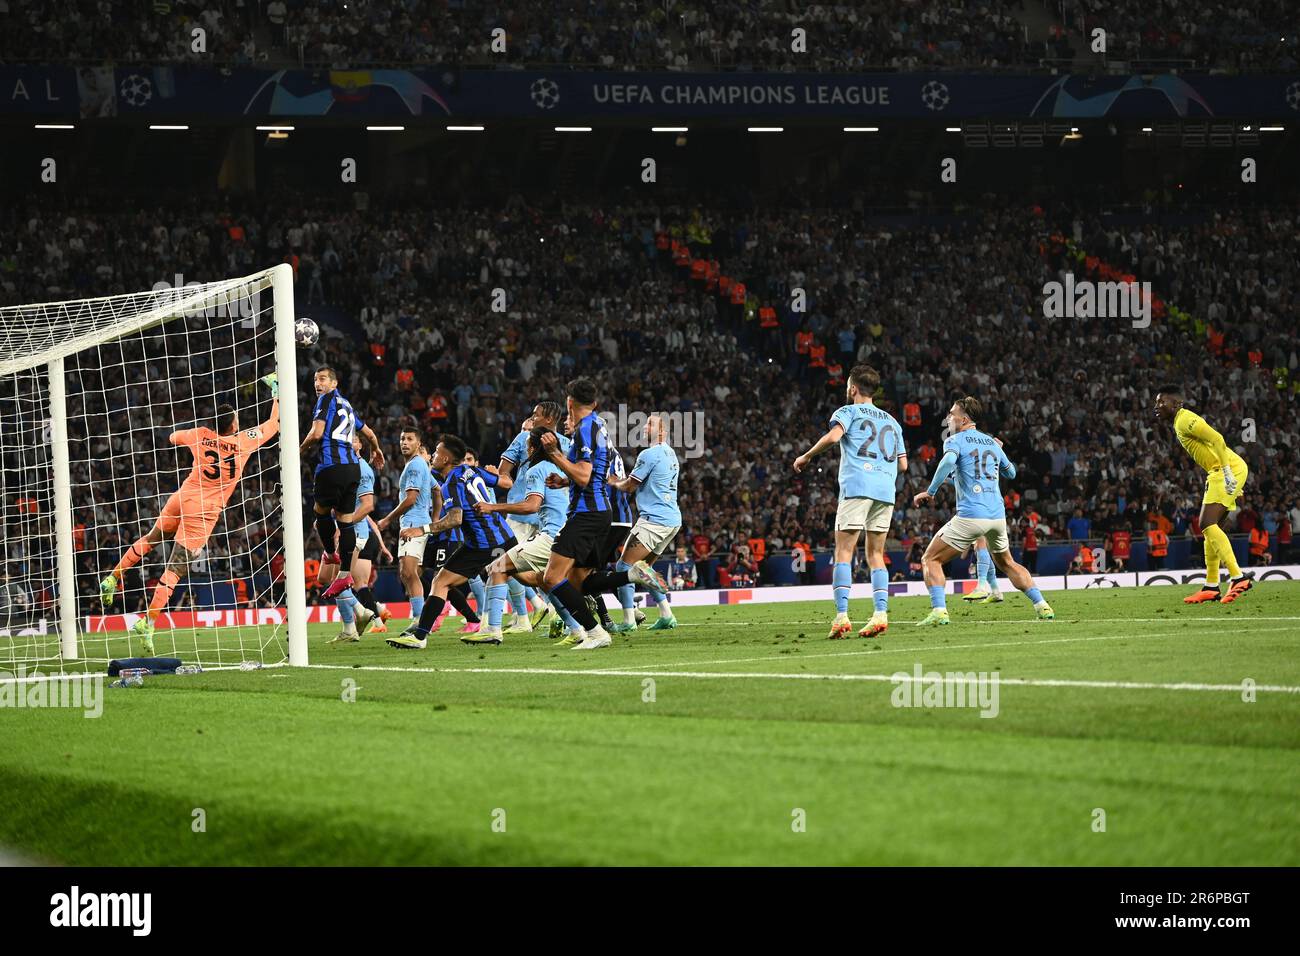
(305, 332)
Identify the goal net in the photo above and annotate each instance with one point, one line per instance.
(93, 484)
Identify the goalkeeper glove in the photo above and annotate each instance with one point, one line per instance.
(273, 383)
(1229, 481)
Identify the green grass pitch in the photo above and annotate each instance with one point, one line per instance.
(764, 743)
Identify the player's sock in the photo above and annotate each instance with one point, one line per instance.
(598, 582)
(496, 598)
(602, 611)
(163, 592)
(565, 616)
(991, 577)
(418, 605)
(432, 608)
(459, 599)
(1226, 557)
(626, 594)
(518, 600)
(132, 557)
(326, 528)
(1211, 563)
(982, 565)
(937, 598)
(841, 583)
(344, 601)
(347, 544)
(880, 588)
(480, 595)
(1034, 595)
(571, 598)
(663, 602)
(531, 595)
(366, 598)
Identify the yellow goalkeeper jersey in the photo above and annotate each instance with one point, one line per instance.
(1204, 444)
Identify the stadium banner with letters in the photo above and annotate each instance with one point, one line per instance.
(441, 94)
(328, 614)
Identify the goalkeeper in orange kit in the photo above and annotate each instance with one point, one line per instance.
(192, 512)
(1226, 474)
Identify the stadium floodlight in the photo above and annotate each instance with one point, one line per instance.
(166, 126)
(766, 129)
(55, 126)
(669, 129)
(573, 129)
(465, 129)
(385, 129)
(862, 129)
(91, 394)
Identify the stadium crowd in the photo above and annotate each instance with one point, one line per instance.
(619, 34)
(647, 298)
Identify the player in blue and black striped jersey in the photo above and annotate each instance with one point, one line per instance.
(485, 536)
(338, 472)
(580, 547)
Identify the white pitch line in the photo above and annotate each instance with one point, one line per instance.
(891, 678)
(929, 648)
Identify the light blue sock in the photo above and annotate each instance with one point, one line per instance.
(496, 597)
(1034, 595)
(417, 605)
(627, 593)
(480, 595)
(982, 564)
(937, 598)
(841, 583)
(344, 599)
(533, 599)
(992, 577)
(517, 597)
(880, 588)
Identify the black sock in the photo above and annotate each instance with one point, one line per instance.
(432, 608)
(569, 596)
(598, 582)
(347, 544)
(367, 599)
(459, 599)
(325, 527)
(602, 611)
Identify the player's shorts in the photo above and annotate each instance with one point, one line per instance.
(961, 533)
(189, 520)
(615, 538)
(863, 514)
(436, 553)
(522, 530)
(1217, 494)
(369, 548)
(412, 547)
(469, 562)
(336, 487)
(656, 537)
(533, 554)
(583, 538)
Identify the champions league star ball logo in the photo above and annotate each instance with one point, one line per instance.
(545, 93)
(1293, 95)
(934, 95)
(136, 90)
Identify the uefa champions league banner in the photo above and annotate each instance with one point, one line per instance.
(439, 95)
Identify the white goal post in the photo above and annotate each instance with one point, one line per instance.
(91, 392)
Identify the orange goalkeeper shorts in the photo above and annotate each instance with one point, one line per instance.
(188, 519)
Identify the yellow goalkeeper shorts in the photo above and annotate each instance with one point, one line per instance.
(1216, 494)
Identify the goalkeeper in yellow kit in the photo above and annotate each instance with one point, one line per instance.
(1225, 476)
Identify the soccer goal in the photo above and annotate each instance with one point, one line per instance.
(91, 392)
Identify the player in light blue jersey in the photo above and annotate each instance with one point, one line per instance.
(653, 483)
(514, 465)
(357, 606)
(872, 456)
(549, 506)
(412, 511)
(975, 461)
